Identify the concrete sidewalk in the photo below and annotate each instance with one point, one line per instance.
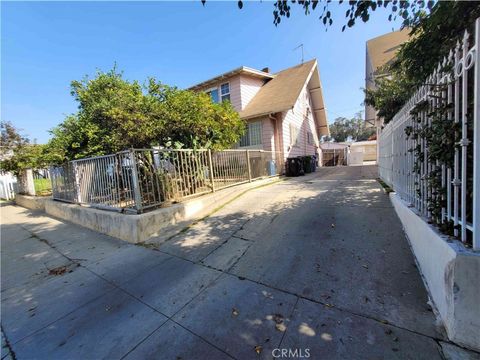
(317, 265)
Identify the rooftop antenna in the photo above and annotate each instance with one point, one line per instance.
(299, 46)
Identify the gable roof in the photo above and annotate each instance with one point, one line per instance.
(280, 93)
(383, 49)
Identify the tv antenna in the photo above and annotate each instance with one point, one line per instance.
(299, 46)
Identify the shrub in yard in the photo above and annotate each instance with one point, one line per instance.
(115, 114)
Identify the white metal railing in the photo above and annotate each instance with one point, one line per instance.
(139, 179)
(8, 183)
(457, 90)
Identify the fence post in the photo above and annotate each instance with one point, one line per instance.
(248, 166)
(476, 144)
(210, 166)
(26, 184)
(136, 184)
(78, 195)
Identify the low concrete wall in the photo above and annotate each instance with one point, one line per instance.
(451, 273)
(162, 223)
(106, 222)
(31, 202)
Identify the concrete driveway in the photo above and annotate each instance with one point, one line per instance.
(316, 267)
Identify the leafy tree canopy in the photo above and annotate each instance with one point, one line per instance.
(408, 11)
(115, 114)
(353, 129)
(17, 152)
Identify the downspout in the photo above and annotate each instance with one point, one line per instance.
(275, 133)
(278, 147)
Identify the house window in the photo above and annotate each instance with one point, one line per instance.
(220, 94)
(213, 95)
(225, 92)
(253, 135)
(309, 138)
(294, 131)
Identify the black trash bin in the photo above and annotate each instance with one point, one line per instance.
(294, 167)
(300, 165)
(307, 164)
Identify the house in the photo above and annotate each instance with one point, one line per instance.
(284, 111)
(380, 51)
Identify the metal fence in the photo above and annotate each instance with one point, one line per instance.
(8, 183)
(334, 157)
(139, 179)
(405, 162)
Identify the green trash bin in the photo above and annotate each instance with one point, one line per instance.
(307, 164)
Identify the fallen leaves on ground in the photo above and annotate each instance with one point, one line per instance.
(279, 322)
(278, 318)
(60, 270)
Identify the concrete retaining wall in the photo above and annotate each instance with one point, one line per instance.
(163, 222)
(451, 273)
(31, 202)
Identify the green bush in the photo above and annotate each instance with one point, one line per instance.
(42, 186)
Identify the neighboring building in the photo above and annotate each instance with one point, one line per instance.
(333, 154)
(368, 149)
(379, 52)
(284, 111)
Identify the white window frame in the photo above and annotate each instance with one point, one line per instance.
(208, 91)
(249, 136)
(218, 89)
(226, 94)
(294, 135)
(310, 140)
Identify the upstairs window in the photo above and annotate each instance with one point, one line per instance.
(253, 135)
(213, 95)
(294, 132)
(225, 92)
(309, 138)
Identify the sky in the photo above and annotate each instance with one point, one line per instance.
(46, 45)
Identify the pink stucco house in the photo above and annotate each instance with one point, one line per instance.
(284, 111)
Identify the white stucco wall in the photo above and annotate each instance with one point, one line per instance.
(451, 273)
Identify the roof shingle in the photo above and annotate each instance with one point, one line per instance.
(280, 93)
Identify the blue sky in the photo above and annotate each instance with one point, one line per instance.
(44, 46)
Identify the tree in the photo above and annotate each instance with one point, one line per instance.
(408, 11)
(115, 114)
(192, 120)
(17, 152)
(353, 129)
